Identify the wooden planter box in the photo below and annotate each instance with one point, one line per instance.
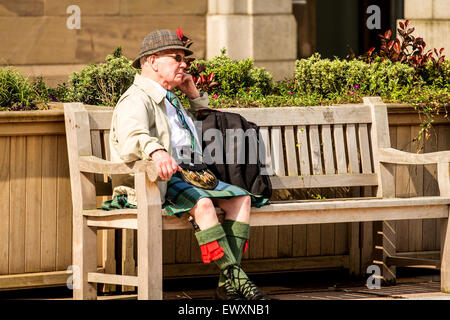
(35, 200)
(36, 214)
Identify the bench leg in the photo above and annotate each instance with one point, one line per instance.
(84, 259)
(149, 239)
(127, 258)
(384, 240)
(367, 246)
(108, 257)
(445, 255)
(354, 250)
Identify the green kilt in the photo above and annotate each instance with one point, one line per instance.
(182, 196)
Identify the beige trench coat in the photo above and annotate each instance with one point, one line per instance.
(140, 126)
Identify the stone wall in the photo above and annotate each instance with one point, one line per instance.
(36, 39)
(263, 30)
(431, 18)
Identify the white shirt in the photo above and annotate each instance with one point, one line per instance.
(179, 136)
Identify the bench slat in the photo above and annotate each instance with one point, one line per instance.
(96, 151)
(266, 159)
(100, 120)
(277, 151)
(352, 148)
(342, 114)
(97, 139)
(353, 214)
(364, 145)
(316, 157)
(328, 149)
(303, 153)
(341, 159)
(349, 203)
(291, 158)
(306, 115)
(106, 143)
(310, 213)
(324, 181)
(112, 279)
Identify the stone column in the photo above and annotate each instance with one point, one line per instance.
(263, 30)
(431, 20)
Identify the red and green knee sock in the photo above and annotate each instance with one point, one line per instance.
(224, 244)
(238, 234)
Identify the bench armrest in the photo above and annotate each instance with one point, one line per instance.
(441, 158)
(390, 155)
(94, 164)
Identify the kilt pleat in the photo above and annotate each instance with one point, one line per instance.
(182, 196)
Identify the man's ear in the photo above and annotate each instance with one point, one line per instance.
(153, 63)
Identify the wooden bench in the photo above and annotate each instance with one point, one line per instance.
(306, 147)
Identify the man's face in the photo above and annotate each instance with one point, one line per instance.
(170, 70)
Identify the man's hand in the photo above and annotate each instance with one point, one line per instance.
(188, 87)
(165, 164)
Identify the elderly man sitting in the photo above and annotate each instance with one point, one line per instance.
(149, 122)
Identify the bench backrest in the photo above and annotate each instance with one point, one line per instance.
(316, 147)
(306, 147)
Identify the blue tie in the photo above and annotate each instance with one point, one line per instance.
(175, 102)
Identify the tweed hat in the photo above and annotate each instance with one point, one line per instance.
(159, 40)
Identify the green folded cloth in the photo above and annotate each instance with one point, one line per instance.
(118, 202)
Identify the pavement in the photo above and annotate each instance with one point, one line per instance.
(329, 285)
(313, 285)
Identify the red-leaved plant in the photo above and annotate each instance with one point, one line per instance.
(408, 49)
(202, 82)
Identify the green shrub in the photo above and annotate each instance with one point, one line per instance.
(16, 93)
(322, 76)
(104, 83)
(48, 94)
(331, 78)
(234, 76)
(384, 77)
(437, 75)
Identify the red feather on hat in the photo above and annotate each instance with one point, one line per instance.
(180, 33)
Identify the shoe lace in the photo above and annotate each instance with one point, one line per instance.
(244, 285)
(230, 289)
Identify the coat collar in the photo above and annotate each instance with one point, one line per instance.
(149, 88)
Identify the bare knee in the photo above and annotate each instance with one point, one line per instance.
(204, 205)
(204, 213)
(246, 201)
(240, 202)
(237, 208)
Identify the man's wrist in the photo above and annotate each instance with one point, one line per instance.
(156, 151)
(193, 95)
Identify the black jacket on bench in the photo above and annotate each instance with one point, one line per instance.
(245, 175)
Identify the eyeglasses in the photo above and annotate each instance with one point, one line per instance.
(178, 58)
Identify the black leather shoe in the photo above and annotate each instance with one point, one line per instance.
(227, 292)
(257, 294)
(242, 284)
